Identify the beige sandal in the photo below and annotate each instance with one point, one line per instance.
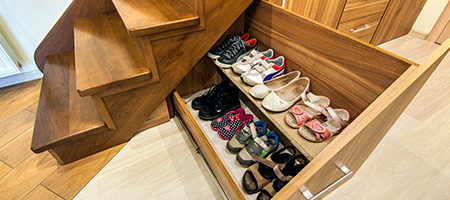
(317, 131)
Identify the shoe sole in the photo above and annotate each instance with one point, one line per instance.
(212, 56)
(214, 117)
(222, 65)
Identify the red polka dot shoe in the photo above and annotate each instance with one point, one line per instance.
(234, 124)
(219, 122)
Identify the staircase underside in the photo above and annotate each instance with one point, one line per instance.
(129, 106)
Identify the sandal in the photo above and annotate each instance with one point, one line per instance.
(246, 135)
(234, 124)
(312, 106)
(260, 146)
(291, 169)
(261, 173)
(316, 131)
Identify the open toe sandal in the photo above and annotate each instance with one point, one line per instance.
(222, 120)
(300, 114)
(287, 172)
(317, 130)
(262, 172)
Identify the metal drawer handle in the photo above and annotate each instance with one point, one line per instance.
(307, 194)
(360, 29)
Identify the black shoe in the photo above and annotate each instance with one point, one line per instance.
(226, 101)
(209, 96)
(217, 51)
(236, 50)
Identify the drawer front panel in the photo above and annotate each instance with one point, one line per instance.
(362, 28)
(359, 8)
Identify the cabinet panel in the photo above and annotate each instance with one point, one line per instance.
(362, 28)
(398, 19)
(327, 12)
(357, 9)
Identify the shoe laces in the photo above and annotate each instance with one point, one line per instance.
(233, 50)
(230, 39)
(210, 93)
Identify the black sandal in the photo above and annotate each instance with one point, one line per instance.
(286, 174)
(262, 172)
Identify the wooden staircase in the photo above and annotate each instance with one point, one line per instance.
(109, 65)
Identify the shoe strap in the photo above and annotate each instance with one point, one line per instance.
(314, 106)
(330, 113)
(277, 169)
(319, 130)
(262, 66)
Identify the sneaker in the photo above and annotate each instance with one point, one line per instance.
(226, 101)
(209, 96)
(237, 49)
(234, 124)
(245, 63)
(264, 71)
(221, 121)
(260, 146)
(246, 135)
(217, 51)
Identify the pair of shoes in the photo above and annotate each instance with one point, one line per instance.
(246, 135)
(236, 50)
(287, 173)
(283, 165)
(210, 96)
(283, 98)
(245, 63)
(217, 51)
(318, 129)
(259, 147)
(311, 106)
(264, 71)
(229, 124)
(261, 90)
(217, 101)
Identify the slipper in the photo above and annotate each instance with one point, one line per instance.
(300, 114)
(317, 131)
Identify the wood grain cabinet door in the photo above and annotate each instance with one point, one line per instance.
(352, 147)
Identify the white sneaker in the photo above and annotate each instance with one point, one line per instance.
(245, 63)
(264, 71)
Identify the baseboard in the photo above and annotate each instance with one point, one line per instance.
(418, 34)
(20, 78)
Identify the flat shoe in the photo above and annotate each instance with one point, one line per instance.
(262, 90)
(282, 99)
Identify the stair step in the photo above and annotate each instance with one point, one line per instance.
(145, 17)
(106, 56)
(62, 114)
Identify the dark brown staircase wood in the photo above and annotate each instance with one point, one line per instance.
(106, 57)
(62, 115)
(145, 17)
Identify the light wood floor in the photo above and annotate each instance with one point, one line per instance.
(411, 162)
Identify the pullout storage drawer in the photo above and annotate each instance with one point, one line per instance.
(373, 85)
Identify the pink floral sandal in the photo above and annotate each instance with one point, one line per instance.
(317, 131)
(311, 106)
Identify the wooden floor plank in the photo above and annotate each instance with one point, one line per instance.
(14, 126)
(40, 193)
(4, 169)
(69, 179)
(18, 149)
(15, 98)
(25, 177)
(33, 107)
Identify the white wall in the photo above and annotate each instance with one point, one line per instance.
(429, 15)
(24, 23)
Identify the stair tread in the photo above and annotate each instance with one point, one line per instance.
(62, 113)
(145, 17)
(106, 56)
